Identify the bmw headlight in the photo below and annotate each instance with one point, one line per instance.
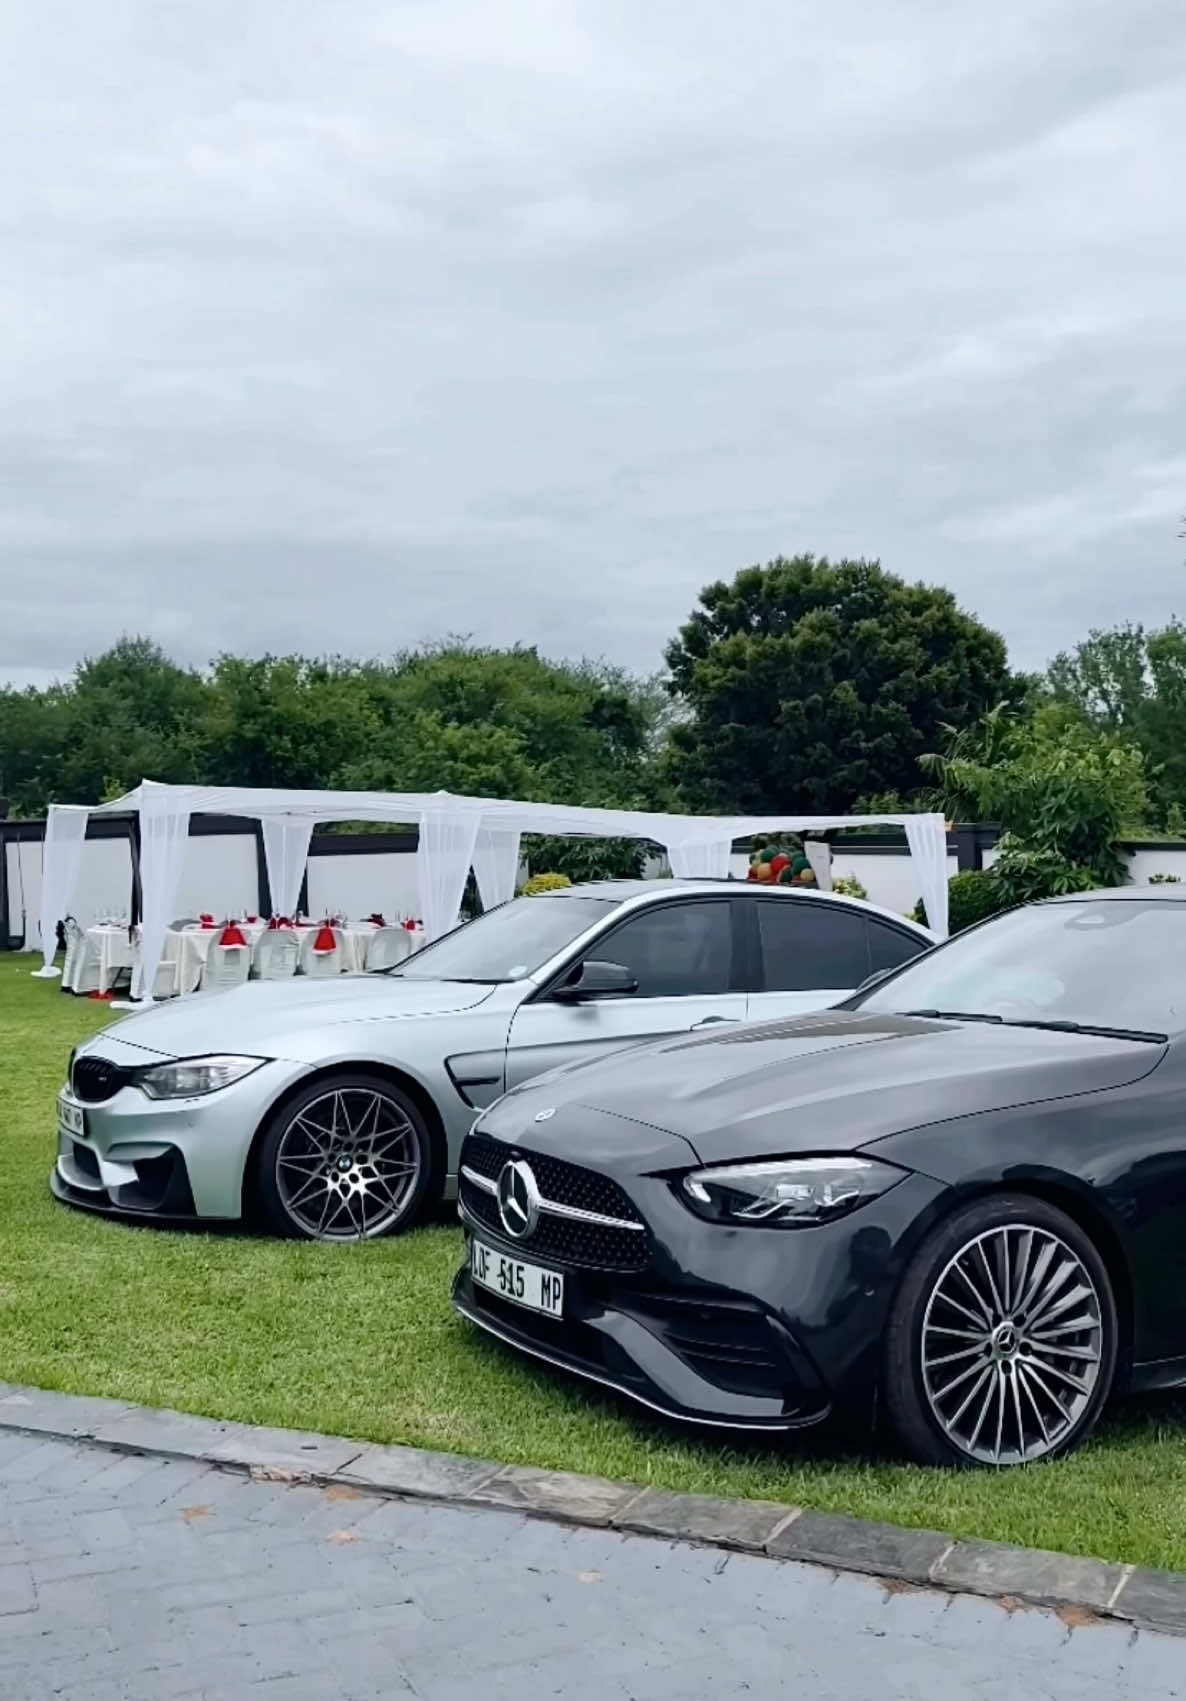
(190, 1077)
(789, 1192)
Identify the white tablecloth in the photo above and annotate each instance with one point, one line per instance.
(109, 945)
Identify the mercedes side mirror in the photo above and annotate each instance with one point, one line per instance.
(595, 979)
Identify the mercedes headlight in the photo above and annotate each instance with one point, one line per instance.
(191, 1077)
(788, 1192)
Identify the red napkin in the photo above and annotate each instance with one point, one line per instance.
(377, 919)
(325, 941)
(233, 935)
(279, 921)
(252, 919)
(206, 920)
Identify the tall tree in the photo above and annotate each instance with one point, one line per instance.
(125, 714)
(808, 684)
(505, 723)
(1132, 681)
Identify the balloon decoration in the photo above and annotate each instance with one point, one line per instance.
(780, 861)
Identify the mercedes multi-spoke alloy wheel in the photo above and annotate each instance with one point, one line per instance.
(348, 1160)
(1003, 1342)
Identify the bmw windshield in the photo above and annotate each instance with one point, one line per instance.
(509, 943)
(1114, 963)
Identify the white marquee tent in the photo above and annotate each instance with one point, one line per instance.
(456, 834)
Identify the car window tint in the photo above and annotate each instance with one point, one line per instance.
(889, 947)
(809, 944)
(674, 950)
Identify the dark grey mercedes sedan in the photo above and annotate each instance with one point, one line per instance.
(958, 1200)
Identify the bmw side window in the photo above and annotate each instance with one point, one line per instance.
(674, 950)
(889, 948)
(809, 945)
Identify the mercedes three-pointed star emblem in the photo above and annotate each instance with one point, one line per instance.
(518, 1199)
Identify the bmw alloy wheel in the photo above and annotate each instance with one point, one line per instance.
(1012, 1345)
(348, 1165)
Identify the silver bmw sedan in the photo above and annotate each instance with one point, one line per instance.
(335, 1110)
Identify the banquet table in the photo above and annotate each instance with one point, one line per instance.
(115, 947)
(191, 946)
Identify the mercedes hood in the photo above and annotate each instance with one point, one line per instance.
(831, 1082)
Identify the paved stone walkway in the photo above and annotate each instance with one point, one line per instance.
(135, 1579)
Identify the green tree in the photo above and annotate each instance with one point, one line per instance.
(807, 684)
(1132, 682)
(505, 723)
(126, 714)
(30, 742)
(1065, 793)
(283, 721)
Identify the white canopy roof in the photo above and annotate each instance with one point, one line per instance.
(259, 802)
(456, 833)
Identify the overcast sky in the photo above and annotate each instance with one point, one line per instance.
(340, 324)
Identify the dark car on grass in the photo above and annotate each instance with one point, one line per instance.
(959, 1200)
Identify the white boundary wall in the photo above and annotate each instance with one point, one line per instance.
(362, 884)
(888, 879)
(220, 876)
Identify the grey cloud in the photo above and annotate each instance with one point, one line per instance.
(351, 324)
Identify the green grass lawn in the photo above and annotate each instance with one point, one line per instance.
(361, 1341)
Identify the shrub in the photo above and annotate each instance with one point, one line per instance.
(584, 859)
(1064, 792)
(849, 887)
(972, 896)
(1022, 874)
(545, 883)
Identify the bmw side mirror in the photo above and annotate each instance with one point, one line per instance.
(594, 979)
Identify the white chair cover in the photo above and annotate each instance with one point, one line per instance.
(276, 955)
(389, 947)
(320, 964)
(226, 966)
(74, 945)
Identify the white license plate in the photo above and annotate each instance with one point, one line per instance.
(71, 1119)
(510, 1278)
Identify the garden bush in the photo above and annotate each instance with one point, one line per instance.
(545, 883)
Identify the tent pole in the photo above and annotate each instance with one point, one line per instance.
(263, 884)
(134, 847)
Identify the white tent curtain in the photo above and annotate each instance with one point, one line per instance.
(449, 832)
(286, 851)
(926, 835)
(694, 858)
(496, 864)
(164, 839)
(61, 859)
(443, 860)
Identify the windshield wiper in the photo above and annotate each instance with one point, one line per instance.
(401, 973)
(1059, 1027)
(953, 1015)
(1052, 1025)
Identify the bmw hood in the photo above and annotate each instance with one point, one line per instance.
(260, 1014)
(832, 1082)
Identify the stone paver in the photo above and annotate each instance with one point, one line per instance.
(126, 1578)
